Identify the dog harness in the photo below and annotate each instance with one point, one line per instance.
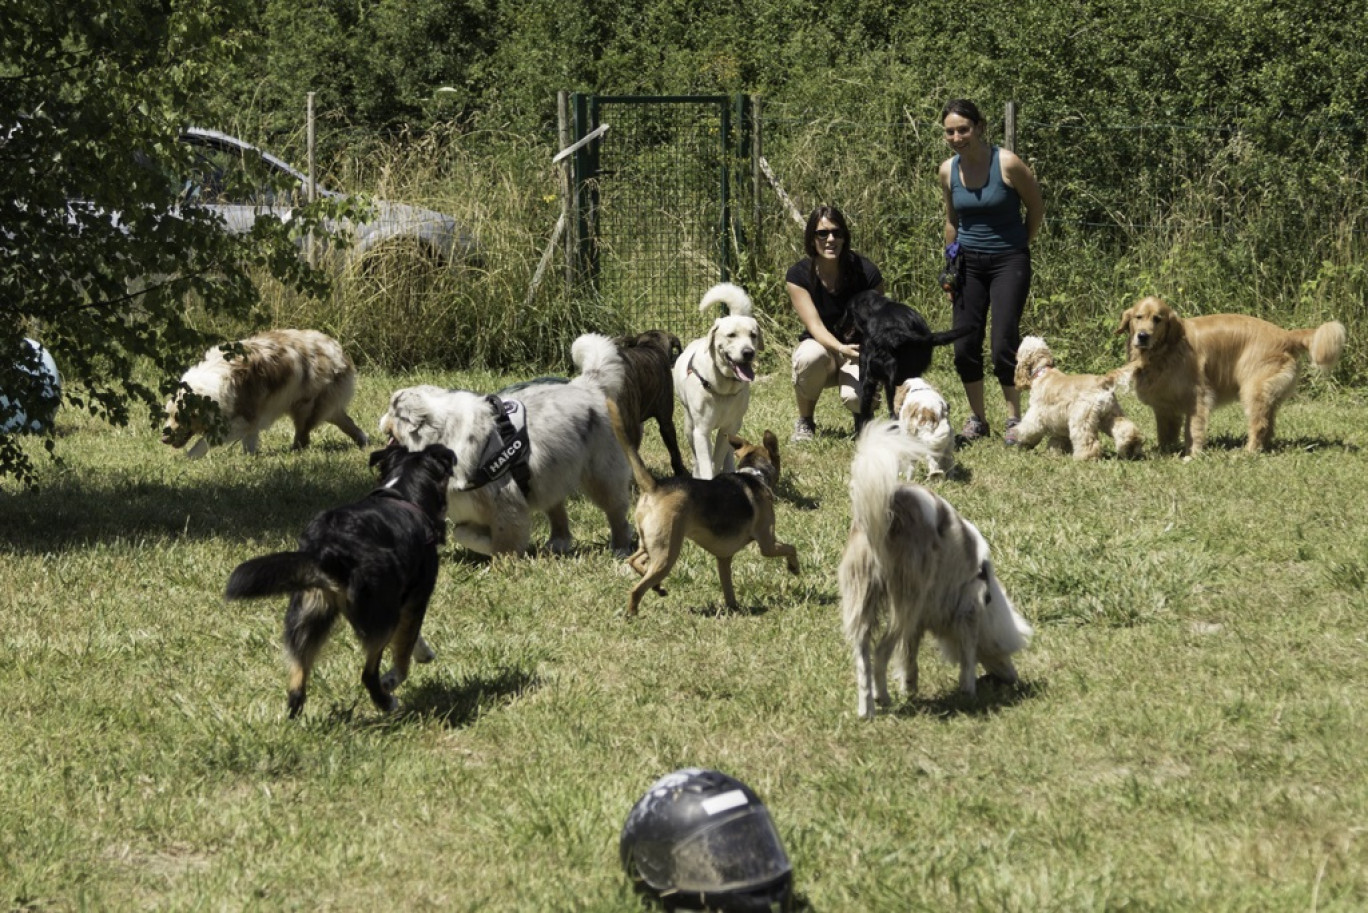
(701, 379)
(508, 449)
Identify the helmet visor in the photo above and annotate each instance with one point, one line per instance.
(740, 853)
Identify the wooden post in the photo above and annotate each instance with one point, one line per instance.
(567, 189)
(1009, 127)
(312, 186)
(755, 181)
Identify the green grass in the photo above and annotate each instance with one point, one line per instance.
(1189, 733)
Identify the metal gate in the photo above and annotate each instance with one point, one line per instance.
(653, 199)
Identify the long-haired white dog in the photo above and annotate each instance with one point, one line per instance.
(526, 452)
(912, 564)
(302, 373)
(924, 414)
(1072, 411)
(713, 377)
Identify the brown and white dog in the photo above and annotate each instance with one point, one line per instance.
(923, 413)
(648, 388)
(1186, 367)
(912, 564)
(1072, 411)
(722, 514)
(524, 453)
(713, 377)
(302, 373)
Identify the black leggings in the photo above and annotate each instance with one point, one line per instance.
(1000, 282)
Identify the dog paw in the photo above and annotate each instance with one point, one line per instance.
(793, 566)
(423, 652)
(391, 680)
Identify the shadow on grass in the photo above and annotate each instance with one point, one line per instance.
(278, 495)
(992, 696)
(456, 703)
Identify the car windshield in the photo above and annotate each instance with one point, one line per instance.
(230, 175)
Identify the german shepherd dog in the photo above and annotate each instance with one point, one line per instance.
(722, 514)
(896, 343)
(373, 561)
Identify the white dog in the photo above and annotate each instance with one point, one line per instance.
(1072, 411)
(923, 413)
(300, 372)
(515, 456)
(912, 564)
(712, 378)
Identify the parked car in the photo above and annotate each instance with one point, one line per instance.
(240, 183)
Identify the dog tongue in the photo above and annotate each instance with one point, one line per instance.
(744, 372)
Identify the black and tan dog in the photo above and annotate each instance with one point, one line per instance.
(722, 514)
(373, 561)
(648, 388)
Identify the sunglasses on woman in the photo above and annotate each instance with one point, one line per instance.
(825, 233)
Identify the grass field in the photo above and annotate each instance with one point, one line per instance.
(1190, 732)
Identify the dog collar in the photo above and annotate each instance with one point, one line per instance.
(711, 388)
(508, 448)
(1040, 370)
(701, 379)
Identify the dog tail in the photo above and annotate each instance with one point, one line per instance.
(880, 455)
(733, 296)
(599, 363)
(645, 481)
(277, 574)
(1325, 343)
(945, 337)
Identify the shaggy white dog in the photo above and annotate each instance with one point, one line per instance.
(515, 456)
(1072, 411)
(300, 372)
(912, 564)
(924, 414)
(713, 377)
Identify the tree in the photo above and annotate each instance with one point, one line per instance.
(97, 258)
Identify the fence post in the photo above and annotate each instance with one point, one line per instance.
(1009, 127)
(567, 189)
(756, 136)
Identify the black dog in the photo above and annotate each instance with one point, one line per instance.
(374, 561)
(895, 344)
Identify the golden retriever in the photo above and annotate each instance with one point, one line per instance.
(1185, 367)
(1070, 412)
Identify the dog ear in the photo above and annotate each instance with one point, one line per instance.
(737, 442)
(759, 338)
(1126, 319)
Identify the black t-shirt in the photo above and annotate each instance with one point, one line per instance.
(831, 306)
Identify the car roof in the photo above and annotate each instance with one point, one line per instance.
(216, 137)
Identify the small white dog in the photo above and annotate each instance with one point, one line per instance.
(924, 414)
(515, 456)
(912, 564)
(302, 373)
(1072, 411)
(713, 377)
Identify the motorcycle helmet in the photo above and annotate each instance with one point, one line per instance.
(703, 839)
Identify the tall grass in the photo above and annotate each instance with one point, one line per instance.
(1187, 736)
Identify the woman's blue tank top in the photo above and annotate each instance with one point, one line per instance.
(989, 217)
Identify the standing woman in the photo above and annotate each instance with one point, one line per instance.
(819, 286)
(985, 189)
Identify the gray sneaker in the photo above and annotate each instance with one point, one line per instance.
(805, 429)
(1009, 434)
(974, 428)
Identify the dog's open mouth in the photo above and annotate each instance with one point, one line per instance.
(744, 370)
